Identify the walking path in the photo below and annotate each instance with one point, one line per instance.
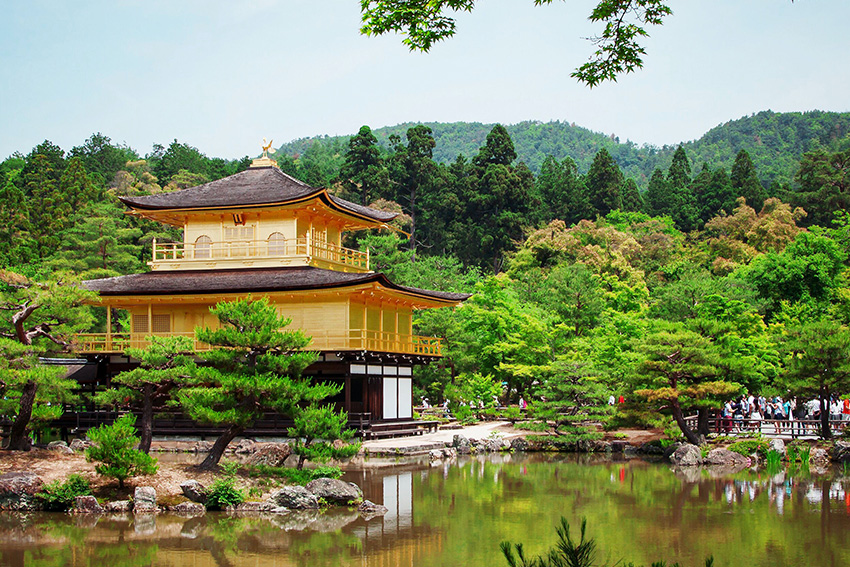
(420, 444)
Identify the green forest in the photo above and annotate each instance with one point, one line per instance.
(677, 277)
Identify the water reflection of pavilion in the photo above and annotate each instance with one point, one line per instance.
(394, 539)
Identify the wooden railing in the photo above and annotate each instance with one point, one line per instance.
(768, 427)
(309, 248)
(355, 339)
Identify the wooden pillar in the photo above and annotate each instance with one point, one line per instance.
(108, 327)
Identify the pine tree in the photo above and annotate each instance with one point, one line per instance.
(148, 387)
(817, 364)
(45, 311)
(255, 366)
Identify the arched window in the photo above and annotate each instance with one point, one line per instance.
(203, 247)
(277, 244)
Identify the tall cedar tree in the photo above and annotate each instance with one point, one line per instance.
(562, 192)
(657, 195)
(50, 312)
(498, 205)
(148, 387)
(824, 184)
(745, 182)
(363, 173)
(604, 181)
(632, 200)
(255, 366)
(817, 365)
(681, 204)
(413, 173)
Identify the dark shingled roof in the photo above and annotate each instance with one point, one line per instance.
(247, 281)
(254, 186)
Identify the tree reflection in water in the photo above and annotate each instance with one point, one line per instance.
(456, 513)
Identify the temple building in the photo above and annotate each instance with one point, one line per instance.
(264, 233)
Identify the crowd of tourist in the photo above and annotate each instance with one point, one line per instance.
(749, 410)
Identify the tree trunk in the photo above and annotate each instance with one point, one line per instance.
(702, 422)
(825, 430)
(219, 446)
(680, 421)
(302, 458)
(146, 426)
(18, 440)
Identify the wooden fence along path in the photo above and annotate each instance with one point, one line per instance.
(793, 428)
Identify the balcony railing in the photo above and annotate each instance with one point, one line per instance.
(355, 339)
(166, 252)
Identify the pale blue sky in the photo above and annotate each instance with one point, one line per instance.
(223, 74)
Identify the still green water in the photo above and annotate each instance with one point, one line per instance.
(457, 514)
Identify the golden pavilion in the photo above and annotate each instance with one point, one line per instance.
(265, 233)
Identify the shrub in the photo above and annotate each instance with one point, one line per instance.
(223, 492)
(749, 446)
(59, 496)
(114, 449)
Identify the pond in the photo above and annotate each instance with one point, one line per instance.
(456, 514)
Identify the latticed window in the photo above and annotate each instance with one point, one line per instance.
(161, 323)
(277, 244)
(203, 247)
(140, 324)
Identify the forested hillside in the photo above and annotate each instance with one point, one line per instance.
(775, 142)
(708, 284)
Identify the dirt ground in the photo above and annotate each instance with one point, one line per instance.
(51, 466)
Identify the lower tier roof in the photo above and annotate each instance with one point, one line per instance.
(251, 280)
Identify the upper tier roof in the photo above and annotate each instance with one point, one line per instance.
(253, 187)
(251, 280)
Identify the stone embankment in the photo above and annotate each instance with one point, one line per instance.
(18, 493)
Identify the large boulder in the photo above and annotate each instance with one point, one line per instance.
(86, 505)
(80, 445)
(462, 444)
(144, 500)
(841, 452)
(194, 491)
(726, 458)
(295, 498)
(18, 490)
(270, 454)
(686, 456)
(668, 452)
(60, 447)
(819, 457)
(335, 491)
